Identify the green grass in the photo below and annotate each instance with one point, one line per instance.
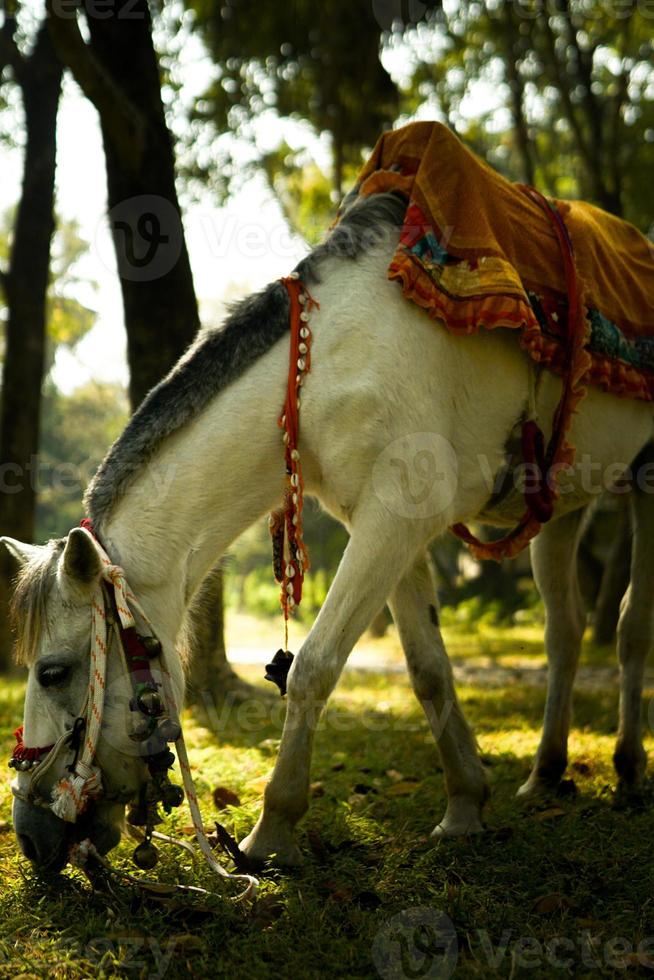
(569, 882)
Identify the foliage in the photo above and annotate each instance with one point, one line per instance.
(68, 319)
(76, 430)
(574, 873)
(317, 62)
(568, 91)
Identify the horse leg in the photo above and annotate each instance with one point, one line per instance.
(635, 630)
(554, 563)
(415, 610)
(375, 557)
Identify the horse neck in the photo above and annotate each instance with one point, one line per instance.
(205, 485)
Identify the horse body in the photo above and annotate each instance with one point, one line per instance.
(404, 430)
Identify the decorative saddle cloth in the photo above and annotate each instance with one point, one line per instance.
(478, 252)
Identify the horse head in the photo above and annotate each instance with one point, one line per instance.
(55, 613)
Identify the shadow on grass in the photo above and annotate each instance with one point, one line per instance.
(569, 868)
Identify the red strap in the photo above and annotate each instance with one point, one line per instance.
(290, 557)
(540, 489)
(136, 655)
(23, 753)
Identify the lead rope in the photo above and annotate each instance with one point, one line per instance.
(75, 792)
(71, 795)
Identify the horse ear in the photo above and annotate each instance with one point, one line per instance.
(80, 560)
(21, 552)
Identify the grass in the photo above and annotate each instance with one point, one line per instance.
(561, 890)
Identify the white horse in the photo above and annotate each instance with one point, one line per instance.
(389, 391)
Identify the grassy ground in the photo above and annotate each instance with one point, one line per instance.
(562, 890)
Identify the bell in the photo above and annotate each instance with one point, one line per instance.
(169, 730)
(141, 729)
(24, 765)
(137, 816)
(160, 762)
(171, 795)
(151, 645)
(145, 856)
(150, 704)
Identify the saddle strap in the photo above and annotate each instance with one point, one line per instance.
(541, 488)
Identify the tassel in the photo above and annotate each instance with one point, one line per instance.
(71, 796)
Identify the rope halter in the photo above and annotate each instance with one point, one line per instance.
(113, 609)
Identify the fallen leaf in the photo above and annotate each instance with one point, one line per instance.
(187, 941)
(404, 788)
(368, 900)
(552, 813)
(554, 902)
(267, 910)
(320, 847)
(223, 797)
(636, 960)
(338, 891)
(317, 789)
(500, 833)
(394, 775)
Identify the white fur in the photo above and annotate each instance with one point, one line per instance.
(381, 372)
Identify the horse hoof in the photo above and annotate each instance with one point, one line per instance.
(537, 790)
(629, 797)
(287, 855)
(461, 827)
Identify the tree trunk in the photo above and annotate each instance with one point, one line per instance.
(26, 286)
(161, 313)
(119, 72)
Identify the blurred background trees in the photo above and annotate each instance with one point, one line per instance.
(559, 94)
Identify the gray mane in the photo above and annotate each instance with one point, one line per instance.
(28, 606)
(220, 356)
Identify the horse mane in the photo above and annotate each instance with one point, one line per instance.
(27, 609)
(221, 355)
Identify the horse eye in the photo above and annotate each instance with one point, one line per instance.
(51, 676)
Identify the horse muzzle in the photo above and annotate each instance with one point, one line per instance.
(46, 839)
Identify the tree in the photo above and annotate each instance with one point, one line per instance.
(566, 86)
(24, 284)
(118, 71)
(316, 62)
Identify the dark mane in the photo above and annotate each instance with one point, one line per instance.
(220, 356)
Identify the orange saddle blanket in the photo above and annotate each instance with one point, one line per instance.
(478, 252)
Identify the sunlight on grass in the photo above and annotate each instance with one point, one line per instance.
(553, 871)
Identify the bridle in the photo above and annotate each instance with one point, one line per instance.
(153, 712)
(154, 723)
